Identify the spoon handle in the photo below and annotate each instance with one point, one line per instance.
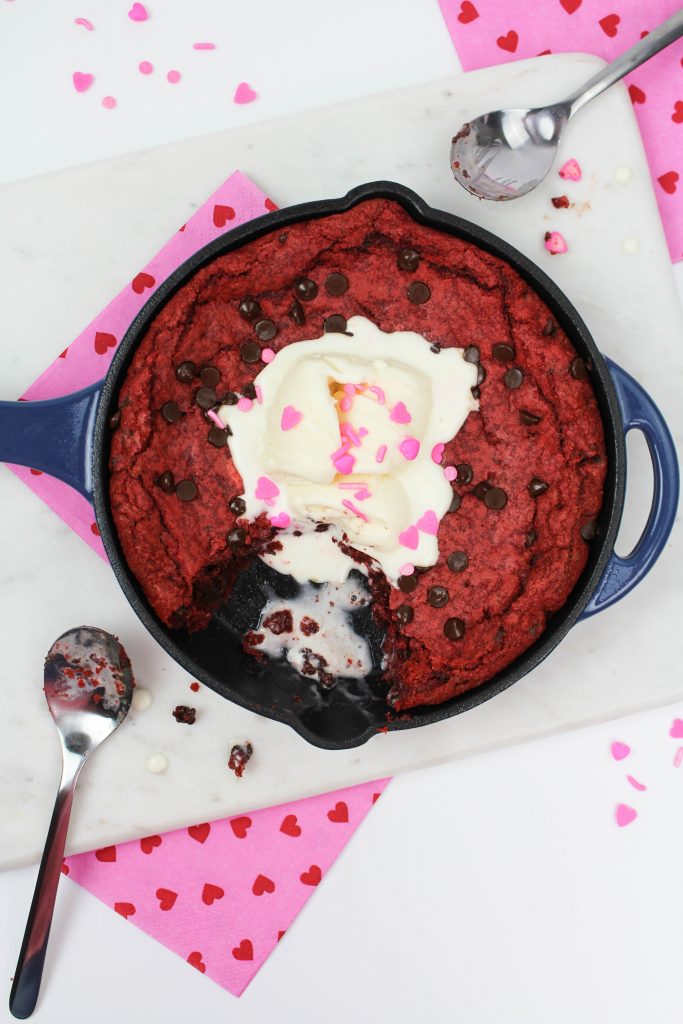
(654, 41)
(29, 972)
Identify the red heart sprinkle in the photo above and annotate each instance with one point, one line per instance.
(149, 842)
(637, 95)
(196, 960)
(245, 950)
(166, 898)
(124, 909)
(240, 826)
(262, 884)
(312, 876)
(677, 115)
(107, 854)
(289, 826)
(270, 205)
(609, 24)
(571, 6)
(668, 181)
(339, 813)
(468, 12)
(508, 42)
(199, 832)
(103, 341)
(211, 893)
(94, 528)
(222, 214)
(65, 869)
(142, 281)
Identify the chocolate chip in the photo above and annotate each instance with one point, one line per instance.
(513, 378)
(217, 437)
(481, 489)
(436, 349)
(495, 499)
(457, 561)
(336, 284)
(186, 490)
(171, 412)
(209, 376)
(407, 584)
(476, 392)
(578, 369)
(404, 614)
(265, 330)
(529, 419)
(249, 308)
(437, 597)
(335, 324)
(206, 398)
(503, 353)
(537, 486)
(454, 629)
(481, 374)
(465, 473)
(186, 371)
(250, 352)
(530, 538)
(322, 527)
(418, 293)
(296, 311)
(230, 399)
(408, 259)
(471, 354)
(455, 502)
(115, 420)
(237, 506)
(306, 289)
(588, 530)
(236, 537)
(184, 714)
(549, 328)
(249, 391)
(166, 482)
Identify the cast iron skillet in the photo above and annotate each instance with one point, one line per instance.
(69, 438)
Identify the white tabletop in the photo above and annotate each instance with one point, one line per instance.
(495, 889)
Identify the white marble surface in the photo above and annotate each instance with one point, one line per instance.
(77, 234)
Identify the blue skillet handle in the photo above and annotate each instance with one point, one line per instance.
(54, 436)
(639, 412)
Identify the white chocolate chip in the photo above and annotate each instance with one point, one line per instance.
(141, 699)
(156, 763)
(630, 246)
(623, 174)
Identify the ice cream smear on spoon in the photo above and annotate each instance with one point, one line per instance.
(343, 447)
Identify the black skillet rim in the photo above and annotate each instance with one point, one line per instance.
(569, 320)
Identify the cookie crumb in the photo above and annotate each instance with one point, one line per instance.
(240, 753)
(185, 715)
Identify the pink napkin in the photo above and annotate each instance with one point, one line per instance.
(222, 895)
(487, 32)
(219, 895)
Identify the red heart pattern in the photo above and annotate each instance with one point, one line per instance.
(166, 898)
(196, 960)
(290, 827)
(141, 281)
(312, 876)
(240, 826)
(124, 909)
(571, 6)
(270, 205)
(610, 24)
(222, 214)
(103, 341)
(509, 41)
(245, 950)
(637, 95)
(677, 116)
(262, 884)
(149, 843)
(339, 813)
(668, 182)
(212, 892)
(107, 854)
(94, 528)
(468, 12)
(200, 833)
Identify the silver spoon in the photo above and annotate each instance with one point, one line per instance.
(506, 153)
(88, 687)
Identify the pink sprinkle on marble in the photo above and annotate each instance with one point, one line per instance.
(636, 785)
(381, 452)
(620, 750)
(437, 453)
(429, 523)
(82, 80)
(409, 448)
(281, 521)
(267, 355)
(290, 417)
(173, 77)
(145, 68)
(678, 759)
(624, 815)
(244, 404)
(85, 23)
(266, 489)
(108, 102)
(410, 538)
(450, 472)
(407, 570)
(216, 418)
(379, 394)
(344, 464)
(203, 46)
(244, 94)
(138, 13)
(555, 243)
(399, 414)
(570, 170)
(356, 511)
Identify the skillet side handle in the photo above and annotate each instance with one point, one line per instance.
(54, 436)
(639, 412)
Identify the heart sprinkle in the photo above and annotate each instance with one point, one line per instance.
(555, 243)
(82, 80)
(138, 13)
(620, 750)
(290, 418)
(244, 94)
(409, 448)
(624, 815)
(571, 171)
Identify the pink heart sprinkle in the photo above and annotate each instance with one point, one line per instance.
(244, 94)
(137, 13)
(399, 414)
(281, 520)
(344, 464)
(409, 448)
(555, 243)
(676, 729)
(428, 523)
(571, 170)
(82, 80)
(624, 815)
(290, 417)
(410, 538)
(266, 489)
(437, 453)
(620, 750)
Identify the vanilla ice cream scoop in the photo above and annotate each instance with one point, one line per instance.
(347, 431)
